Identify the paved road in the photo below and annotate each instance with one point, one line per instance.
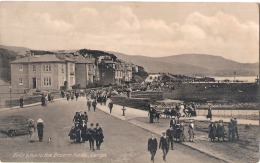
(124, 142)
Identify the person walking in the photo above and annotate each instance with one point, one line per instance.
(31, 129)
(99, 136)
(152, 146)
(94, 104)
(151, 114)
(21, 102)
(172, 122)
(43, 100)
(170, 133)
(40, 127)
(191, 131)
(84, 130)
(212, 131)
(88, 104)
(110, 105)
(231, 130)
(164, 145)
(236, 128)
(91, 136)
(209, 115)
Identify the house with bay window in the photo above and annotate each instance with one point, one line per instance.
(43, 72)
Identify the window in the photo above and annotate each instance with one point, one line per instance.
(34, 67)
(47, 81)
(71, 67)
(46, 67)
(21, 68)
(20, 81)
(71, 81)
(62, 81)
(62, 68)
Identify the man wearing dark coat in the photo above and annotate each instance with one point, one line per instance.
(170, 134)
(110, 105)
(152, 146)
(151, 112)
(40, 127)
(77, 132)
(88, 104)
(84, 130)
(21, 102)
(164, 145)
(94, 104)
(91, 136)
(99, 136)
(43, 100)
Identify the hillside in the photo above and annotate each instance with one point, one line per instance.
(17, 50)
(5, 57)
(193, 64)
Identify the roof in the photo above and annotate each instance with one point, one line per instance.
(38, 59)
(81, 59)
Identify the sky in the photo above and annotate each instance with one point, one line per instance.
(154, 29)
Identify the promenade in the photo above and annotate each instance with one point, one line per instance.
(140, 118)
(123, 142)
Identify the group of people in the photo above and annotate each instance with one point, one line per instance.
(91, 104)
(43, 99)
(32, 129)
(80, 132)
(167, 138)
(218, 130)
(71, 95)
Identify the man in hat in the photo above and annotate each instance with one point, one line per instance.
(172, 122)
(191, 131)
(170, 134)
(43, 100)
(164, 145)
(110, 105)
(91, 136)
(40, 127)
(88, 104)
(99, 136)
(94, 104)
(152, 146)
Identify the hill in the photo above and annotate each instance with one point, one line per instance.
(5, 57)
(16, 49)
(193, 64)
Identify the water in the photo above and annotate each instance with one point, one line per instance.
(245, 79)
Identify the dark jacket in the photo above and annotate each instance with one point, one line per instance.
(164, 142)
(99, 133)
(152, 144)
(40, 127)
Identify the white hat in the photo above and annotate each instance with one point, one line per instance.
(40, 120)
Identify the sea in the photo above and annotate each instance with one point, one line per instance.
(245, 79)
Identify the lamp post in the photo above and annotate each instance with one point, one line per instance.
(10, 90)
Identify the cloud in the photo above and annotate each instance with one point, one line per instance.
(45, 21)
(119, 28)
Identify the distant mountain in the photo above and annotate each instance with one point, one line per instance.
(186, 64)
(193, 64)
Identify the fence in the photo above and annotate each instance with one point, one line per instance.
(241, 114)
(154, 95)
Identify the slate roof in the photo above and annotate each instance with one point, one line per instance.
(40, 59)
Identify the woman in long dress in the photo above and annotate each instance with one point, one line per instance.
(212, 131)
(31, 129)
